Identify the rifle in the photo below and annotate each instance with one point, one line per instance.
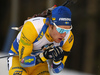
(45, 13)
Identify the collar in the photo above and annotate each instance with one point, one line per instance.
(49, 38)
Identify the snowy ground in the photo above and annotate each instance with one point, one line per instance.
(70, 72)
(4, 69)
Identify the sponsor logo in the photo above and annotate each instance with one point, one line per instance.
(53, 18)
(24, 42)
(18, 73)
(70, 39)
(23, 36)
(40, 36)
(64, 19)
(22, 50)
(47, 35)
(19, 68)
(44, 72)
(29, 60)
(66, 22)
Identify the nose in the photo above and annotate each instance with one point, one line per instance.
(63, 34)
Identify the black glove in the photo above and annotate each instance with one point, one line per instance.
(42, 57)
(58, 54)
(55, 53)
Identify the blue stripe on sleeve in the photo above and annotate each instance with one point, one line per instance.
(15, 45)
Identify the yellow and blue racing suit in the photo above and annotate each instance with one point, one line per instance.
(32, 37)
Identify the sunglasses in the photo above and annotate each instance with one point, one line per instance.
(61, 30)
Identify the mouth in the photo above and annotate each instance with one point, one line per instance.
(60, 39)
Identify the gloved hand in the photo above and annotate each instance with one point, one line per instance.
(42, 57)
(58, 53)
(55, 53)
(50, 52)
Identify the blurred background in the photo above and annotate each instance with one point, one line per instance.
(85, 55)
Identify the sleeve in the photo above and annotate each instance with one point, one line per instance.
(57, 66)
(67, 47)
(28, 36)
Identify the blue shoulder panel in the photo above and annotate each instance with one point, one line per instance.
(15, 45)
(42, 32)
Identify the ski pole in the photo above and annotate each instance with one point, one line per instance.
(8, 56)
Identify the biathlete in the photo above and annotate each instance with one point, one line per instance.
(42, 39)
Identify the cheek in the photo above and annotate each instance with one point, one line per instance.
(55, 33)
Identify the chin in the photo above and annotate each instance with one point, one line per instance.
(57, 41)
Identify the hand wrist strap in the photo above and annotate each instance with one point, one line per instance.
(56, 62)
(42, 57)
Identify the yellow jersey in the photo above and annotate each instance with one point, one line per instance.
(25, 43)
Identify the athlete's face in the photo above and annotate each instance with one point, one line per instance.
(56, 35)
